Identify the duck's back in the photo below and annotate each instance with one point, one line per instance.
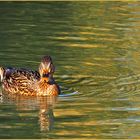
(20, 81)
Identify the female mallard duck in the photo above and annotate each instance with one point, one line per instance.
(28, 82)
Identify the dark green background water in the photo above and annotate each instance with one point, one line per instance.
(95, 47)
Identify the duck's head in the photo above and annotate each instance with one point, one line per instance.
(46, 68)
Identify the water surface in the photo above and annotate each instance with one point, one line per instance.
(95, 47)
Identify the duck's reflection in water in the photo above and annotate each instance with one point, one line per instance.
(46, 116)
(44, 105)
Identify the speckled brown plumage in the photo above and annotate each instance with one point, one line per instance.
(28, 82)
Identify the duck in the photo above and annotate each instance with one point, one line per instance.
(23, 81)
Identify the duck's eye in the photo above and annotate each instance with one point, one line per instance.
(45, 75)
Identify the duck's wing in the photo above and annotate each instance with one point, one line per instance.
(21, 73)
(17, 80)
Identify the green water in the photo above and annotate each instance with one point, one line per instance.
(95, 47)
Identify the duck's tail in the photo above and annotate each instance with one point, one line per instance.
(2, 70)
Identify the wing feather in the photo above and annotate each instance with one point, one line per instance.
(20, 80)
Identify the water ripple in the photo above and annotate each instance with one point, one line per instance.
(124, 87)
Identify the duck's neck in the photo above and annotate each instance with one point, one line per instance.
(44, 80)
(42, 85)
(47, 80)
